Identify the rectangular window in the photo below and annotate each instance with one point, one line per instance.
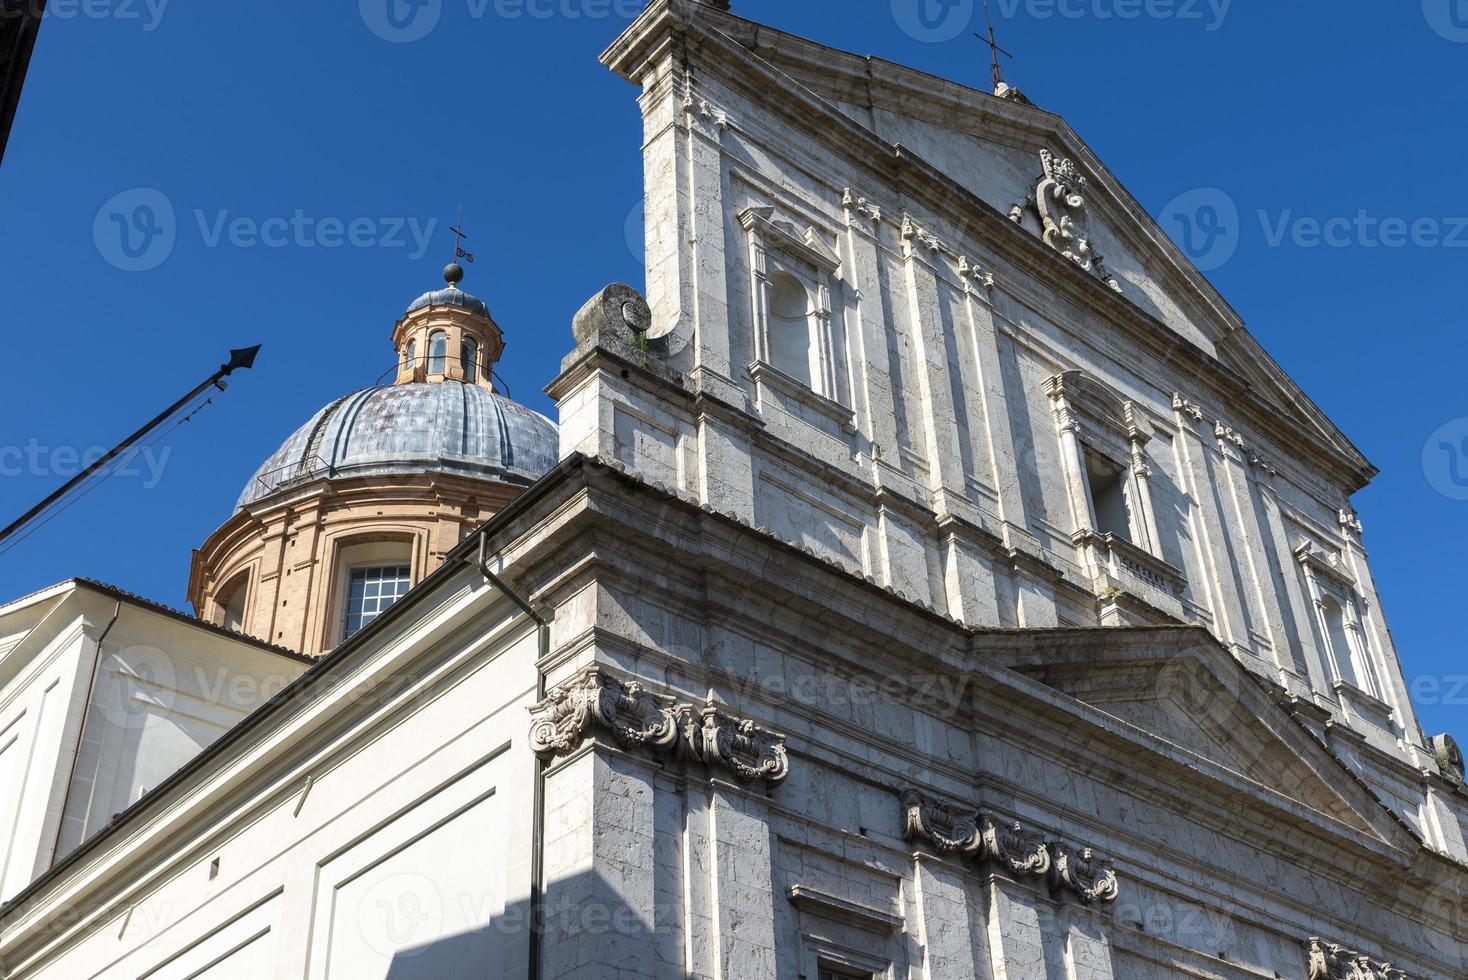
(1108, 497)
(370, 590)
(842, 973)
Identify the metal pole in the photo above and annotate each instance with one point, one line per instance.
(238, 360)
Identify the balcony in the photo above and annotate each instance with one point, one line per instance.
(1117, 565)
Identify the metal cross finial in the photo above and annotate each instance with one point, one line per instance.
(994, 48)
(459, 236)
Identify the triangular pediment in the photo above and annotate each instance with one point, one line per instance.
(1007, 152)
(1179, 690)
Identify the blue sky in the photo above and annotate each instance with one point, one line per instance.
(312, 167)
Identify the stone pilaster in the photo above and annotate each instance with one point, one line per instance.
(953, 939)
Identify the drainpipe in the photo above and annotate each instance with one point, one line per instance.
(537, 825)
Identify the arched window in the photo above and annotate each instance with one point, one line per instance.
(1339, 639)
(372, 575)
(232, 604)
(469, 360)
(438, 347)
(410, 357)
(789, 330)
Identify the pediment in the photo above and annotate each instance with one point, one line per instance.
(1194, 700)
(1027, 164)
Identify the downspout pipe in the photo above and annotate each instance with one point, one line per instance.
(537, 830)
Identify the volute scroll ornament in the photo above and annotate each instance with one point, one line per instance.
(639, 719)
(737, 744)
(1087, 876)
(633, 716)
(955, 830)
(1449, 757)
(950, 828)
(1024, 853)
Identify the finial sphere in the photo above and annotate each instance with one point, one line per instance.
(453, 273)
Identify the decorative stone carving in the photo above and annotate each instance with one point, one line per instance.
(912, 230)
(957, 831)
(1263, 465)
(750, 752)
(1059, 203)
(951, 828)
(1184, 407)
(1350, 522)
(1023, 852)
(1449, 757)
(702, 108)
(618, 312)
(636, 718)
(1227, 434)
(975, 274)
(861, 206)
(1332, 961)
(1090, 878)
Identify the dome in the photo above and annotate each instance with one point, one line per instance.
(407, 429)
(450, 296)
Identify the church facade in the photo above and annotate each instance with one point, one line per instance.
(929, 576)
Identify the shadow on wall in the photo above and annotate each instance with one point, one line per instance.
(579, 914)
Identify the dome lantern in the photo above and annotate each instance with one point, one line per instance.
(448, 335)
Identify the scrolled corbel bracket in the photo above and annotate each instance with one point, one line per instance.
(949, 828)
(596, 700)
(1090, 878)
(753, 754)
(985, 838)
(637, 719)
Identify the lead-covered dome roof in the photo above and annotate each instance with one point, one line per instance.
(450, 296)
(407, 429)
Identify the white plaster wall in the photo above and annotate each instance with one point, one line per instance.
(40, 705)
(406, 855)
